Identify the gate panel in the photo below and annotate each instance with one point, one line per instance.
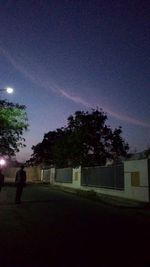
(64, 175)
(46, 175)
(108, 177)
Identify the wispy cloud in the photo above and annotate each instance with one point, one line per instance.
(75, 98)
(55, 88)
(116, 115)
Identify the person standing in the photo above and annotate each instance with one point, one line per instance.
(1, 179)
(20, 182)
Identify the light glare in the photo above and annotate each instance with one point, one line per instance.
(9, 90)
(2, 162)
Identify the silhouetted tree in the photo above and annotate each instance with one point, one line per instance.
(89, 141)
(86, 141)
(13, 123)
(44, 152)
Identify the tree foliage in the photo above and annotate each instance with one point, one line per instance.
(86, 141)
(13, 123)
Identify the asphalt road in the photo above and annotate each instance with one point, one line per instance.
(54, 228)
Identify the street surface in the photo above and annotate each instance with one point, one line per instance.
(54, 228)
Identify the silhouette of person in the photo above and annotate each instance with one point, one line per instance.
(1, 179)
(20, 182)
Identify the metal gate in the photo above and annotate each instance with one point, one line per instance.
(106, 177)
(46, 175)
(64, 175)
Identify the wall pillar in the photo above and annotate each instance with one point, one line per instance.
(76, 177)
(136, 180)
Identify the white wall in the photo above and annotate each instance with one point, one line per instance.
(139, 193)
(52, 175)
(33, 173)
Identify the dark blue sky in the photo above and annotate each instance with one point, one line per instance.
(63, 56)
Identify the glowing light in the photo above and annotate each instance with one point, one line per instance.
(2, 162)
(9, 90)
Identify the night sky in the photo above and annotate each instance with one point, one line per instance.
(63, 56)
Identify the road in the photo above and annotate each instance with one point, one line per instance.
(54, 228)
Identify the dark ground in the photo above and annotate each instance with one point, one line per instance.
(53, 228)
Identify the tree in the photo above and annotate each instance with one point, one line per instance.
(42, 152)
(86, 141)
(89, 141)
(13, 123)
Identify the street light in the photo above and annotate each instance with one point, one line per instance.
(9, 90)
(2, 162)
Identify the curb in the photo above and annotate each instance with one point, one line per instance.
(140, 208)
(115, 202)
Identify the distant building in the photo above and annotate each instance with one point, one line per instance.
(136, 156)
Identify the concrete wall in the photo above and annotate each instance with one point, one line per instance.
(33, 174)
(136, 178)
(10, 174)
(133, 170)
(141, 191)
